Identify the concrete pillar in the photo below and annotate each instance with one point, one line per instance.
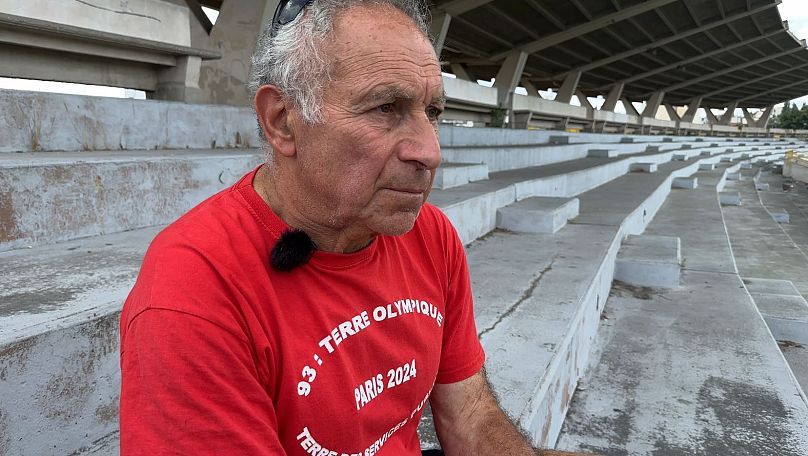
(750, 119)
(653, 104)
(630, 109)
(672, 112)
(711, 118)
(568, 87)
(694, 106)
(613, 97)
(439, 28)
(509, 75)
(459, 70)
(532, 90)
(181, 82)
(584, 101)
(726, 119)
(765, 117)
(236, 30)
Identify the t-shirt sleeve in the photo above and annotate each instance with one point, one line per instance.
(192, 380)
(190, 387)
(462, 354)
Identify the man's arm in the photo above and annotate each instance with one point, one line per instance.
(468, 420)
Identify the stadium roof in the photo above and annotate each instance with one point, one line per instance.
(725, 51)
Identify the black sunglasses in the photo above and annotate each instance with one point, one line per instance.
(285, 13)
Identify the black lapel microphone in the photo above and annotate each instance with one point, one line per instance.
(294, 248)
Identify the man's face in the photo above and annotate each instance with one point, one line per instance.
(369, 166)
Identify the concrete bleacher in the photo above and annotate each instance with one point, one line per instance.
(539, 296)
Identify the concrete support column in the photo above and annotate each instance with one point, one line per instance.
(630, 109)
(236, 30)
(765, 117)
(180, 82)
(438, 29)
(653, 104)
(711, 118)
(532, 90)
(750, 119)
(508, 77)
(692, 108)
(613, 97)
(568, 87)
(584, 101)
(672, 112)
(726, 119)
(459, 70)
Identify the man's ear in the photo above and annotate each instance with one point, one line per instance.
(273, 116)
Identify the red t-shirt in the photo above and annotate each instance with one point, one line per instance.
(222, 354)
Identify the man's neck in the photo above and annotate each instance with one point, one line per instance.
(326, 239)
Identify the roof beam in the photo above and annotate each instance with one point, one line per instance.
(659, 43)
(587, 27)
(753, 81)
(697, 58)
(456, 7)
(778, 89)
(732, 69)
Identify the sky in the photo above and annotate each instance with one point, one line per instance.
(793, 11)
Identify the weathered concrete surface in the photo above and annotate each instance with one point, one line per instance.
(31, 121)
(649, 261)
(672, 374)
(148, 19)
(692, 371)
(238, 27)
(538, 215)
(86, 194)
(450, 175)
(762, 248)
(59, 308)
(472, 208)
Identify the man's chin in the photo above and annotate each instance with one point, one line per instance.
(397, 224)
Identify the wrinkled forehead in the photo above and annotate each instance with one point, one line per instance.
(372, 40)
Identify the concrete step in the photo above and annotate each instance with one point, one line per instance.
(450, 175)
(39, 121)
(460, 136)
(59, 311)
(473, 207)
(510, 157)
(649, 261)
(671, 371)
(686, 182)
(83, 194)
(537, 215)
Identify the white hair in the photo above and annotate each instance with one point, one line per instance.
(293, 61)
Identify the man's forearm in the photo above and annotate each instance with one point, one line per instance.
(500, 436)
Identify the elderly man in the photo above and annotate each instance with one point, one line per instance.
(319, 303)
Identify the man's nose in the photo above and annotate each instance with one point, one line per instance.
(420, 144)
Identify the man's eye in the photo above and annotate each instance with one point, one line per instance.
(386, 108)
(433, 113)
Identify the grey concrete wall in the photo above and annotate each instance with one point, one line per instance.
(238, 27)
(78, 195)
(31, 121)
(156, 20)
(60, 389)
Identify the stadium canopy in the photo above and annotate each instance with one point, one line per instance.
(711, 53)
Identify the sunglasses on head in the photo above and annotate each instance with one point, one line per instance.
(285, 13)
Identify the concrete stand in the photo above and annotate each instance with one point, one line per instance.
(686, 182)
(649, 261)
(730, 199)
(538, 215)
(643, 167)
(602, 153)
